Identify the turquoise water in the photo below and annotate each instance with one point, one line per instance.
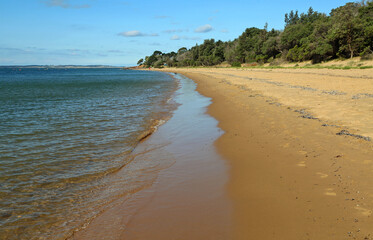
(62, 132)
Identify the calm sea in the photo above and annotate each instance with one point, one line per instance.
(63, 132)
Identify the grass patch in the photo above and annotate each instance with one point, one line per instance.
(309, 67)
(366, 67)
(296, 66)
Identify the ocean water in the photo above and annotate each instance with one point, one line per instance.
(63, 133)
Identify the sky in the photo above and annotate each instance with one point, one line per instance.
(120, 32)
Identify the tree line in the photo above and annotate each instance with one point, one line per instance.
(345, 33)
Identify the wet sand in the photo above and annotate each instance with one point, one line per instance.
(296, 142)
(187, 198)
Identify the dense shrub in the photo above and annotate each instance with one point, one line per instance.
(236, 64)
(346, 32)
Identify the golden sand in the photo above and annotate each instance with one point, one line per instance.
(297, 145)
(338, 97)
(292, 176)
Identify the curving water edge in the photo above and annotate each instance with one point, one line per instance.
(65, 132)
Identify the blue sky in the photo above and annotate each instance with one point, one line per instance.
(120, 32)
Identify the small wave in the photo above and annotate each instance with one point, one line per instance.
(61, 175)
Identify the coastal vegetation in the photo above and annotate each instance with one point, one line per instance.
(346, 32)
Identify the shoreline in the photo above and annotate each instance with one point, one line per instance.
(186, 198)
(63, 146)
(160, 116)
(162, 111)
(291, 177)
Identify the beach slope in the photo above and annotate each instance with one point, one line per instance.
(298, 142)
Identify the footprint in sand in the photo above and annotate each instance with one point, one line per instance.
(363, 211)
(301, 164)
(329, 192)
(322, 175)
(303, 152)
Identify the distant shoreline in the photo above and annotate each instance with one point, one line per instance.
(59, 66)
(342, 64)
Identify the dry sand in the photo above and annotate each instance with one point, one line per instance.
(338, 97)
(292, 176)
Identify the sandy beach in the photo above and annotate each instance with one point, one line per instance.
(297, 141)
(183, 120)
(186, 196)
(299, 155)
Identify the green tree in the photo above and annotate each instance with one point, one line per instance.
(249, 44)
(346, 32)
(291, 18)
(347, 29)
(182, 50)
(300, 41)
(230, 52)
(140, 62)
(320, 47)
(366, 17)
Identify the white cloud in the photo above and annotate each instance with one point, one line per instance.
(177, 37)
(203, 29)
(175, 30)
(131, 34)
(136, 33)
(63, 4)
(224, 31)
